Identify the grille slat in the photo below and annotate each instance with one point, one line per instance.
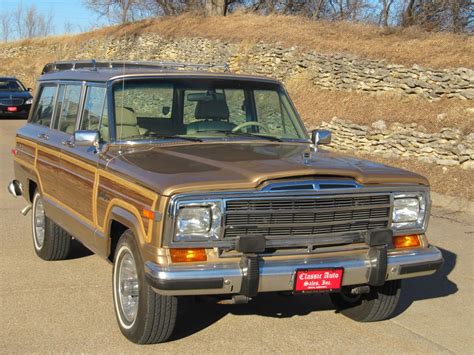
(306, 217)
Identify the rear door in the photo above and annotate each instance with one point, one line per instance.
(79, 164)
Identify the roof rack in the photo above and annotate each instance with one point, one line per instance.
(94, 65)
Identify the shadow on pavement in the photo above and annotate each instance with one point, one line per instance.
(427, 287)
(200, 315)
(78, 250)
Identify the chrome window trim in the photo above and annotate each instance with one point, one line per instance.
(203, 198)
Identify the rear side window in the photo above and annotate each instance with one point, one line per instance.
(68, 109)
(93, 108)
(44, 108)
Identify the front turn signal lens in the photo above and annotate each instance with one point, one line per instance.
(406, 241)
(148, 214)
(188, 255)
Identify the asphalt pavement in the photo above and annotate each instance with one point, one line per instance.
(66, 306)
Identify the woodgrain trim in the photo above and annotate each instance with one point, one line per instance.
(149, 194)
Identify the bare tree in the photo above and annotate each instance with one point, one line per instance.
(35, 24)
(5, 23)
(385, 12)
(120, 11)
(18, 19)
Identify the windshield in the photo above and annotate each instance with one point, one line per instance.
(201, 109)
(10, 85)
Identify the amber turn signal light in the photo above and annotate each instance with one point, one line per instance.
(406, 241)
(188, 255)
(148, 214)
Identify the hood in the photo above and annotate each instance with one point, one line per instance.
(15, 94)
(236, 165)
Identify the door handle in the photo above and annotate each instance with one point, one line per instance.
(43, 136)
(68, 143)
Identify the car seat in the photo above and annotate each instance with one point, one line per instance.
(212, 116)
(126, 125)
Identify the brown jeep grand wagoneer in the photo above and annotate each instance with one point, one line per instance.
(196, 182)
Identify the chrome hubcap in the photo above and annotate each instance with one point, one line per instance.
(128, 291)
(39, 224)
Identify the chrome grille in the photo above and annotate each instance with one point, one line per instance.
(315, 216)
(11, 102)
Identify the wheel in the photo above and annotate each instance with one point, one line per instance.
(378, 304)
(144, 317)
(51, 242)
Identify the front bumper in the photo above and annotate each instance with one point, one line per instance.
(278, 275)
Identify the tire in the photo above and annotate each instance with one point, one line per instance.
(379, 304)
(143, 316)
(50, 241)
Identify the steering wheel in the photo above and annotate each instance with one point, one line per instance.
(250, 123)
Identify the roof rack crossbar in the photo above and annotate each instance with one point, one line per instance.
(92, 64)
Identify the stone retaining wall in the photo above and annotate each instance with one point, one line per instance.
(339, 72)
(449, 147)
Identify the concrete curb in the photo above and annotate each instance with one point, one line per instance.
(453, 204)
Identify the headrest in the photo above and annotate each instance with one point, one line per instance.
(125, 117)
(212, 110)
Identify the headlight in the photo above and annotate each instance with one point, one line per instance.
(198, 222)
(409, 211)
(29, 101)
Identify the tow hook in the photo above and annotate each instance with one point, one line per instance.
(360, 290)
(237, 299)
(25, 210)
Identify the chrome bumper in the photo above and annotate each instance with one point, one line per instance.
(278, 275)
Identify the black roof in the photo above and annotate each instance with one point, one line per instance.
(104, 71)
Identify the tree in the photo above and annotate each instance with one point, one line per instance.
(120, 11)
(385, 12)
(5, 23)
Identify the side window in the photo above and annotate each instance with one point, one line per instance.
(93, 107)
(271, 112)
(44, 108)
(69, 108)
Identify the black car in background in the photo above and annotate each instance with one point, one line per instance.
(15, 99)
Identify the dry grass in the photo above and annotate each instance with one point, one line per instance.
(448, 181)
(316, 105)
(401, 46)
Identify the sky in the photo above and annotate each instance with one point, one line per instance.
(64, 12)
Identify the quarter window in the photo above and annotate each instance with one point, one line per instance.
(44, 108)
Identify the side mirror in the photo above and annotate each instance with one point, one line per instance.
(29, 89)
(86, 138)
(321, 136)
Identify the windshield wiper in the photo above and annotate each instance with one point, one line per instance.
(161, 136)
(243, 134)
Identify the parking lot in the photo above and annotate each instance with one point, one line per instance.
(66, 306)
